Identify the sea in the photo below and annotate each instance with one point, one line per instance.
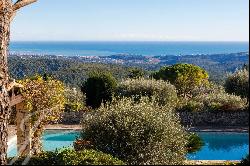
(131, 48)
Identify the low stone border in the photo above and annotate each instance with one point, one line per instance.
(220, 129)
(211, 162)
(193, 129)
(12, 128)
(215, 118)
(63, 127)
(203, 118)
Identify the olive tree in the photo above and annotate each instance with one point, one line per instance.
(138, 133)
(44, 99)
(238, 83)
(164, 92)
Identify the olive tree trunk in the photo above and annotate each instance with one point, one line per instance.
(5, 16)
(7, 12)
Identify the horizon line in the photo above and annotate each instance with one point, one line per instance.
(127, 41)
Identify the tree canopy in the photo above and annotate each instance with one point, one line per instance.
(184, 76)
(44, 99)
(99, 87)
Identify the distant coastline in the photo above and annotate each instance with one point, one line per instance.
(145, 48)
(141, 60)
(14, 53)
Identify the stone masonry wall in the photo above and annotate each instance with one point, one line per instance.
(197, 119)
(70, 118)
(208, 118)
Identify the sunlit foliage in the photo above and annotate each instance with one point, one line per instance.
(184, 76)
(44, 99)
(137, 133)
(164, 92)
(238, 83)
(74, 99)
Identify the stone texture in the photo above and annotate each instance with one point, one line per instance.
(195, 119)
(23, 131)
(7, 13)
(208, 118)
(72, 117)
(5, 18)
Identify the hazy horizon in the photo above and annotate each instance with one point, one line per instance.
(128, 41)
(101, 48)
(130, 20)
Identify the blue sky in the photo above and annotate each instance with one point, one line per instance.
(133, 20)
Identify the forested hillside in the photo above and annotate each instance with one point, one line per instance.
(217, 65)
(74, 70)
(71, 72)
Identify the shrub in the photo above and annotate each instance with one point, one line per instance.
(196, 102)
(137, 133)
(74, 99)
(190, 106)
(44, 158)
(136, 73)
(222, 102)
(86, 157)
(195, 143)
(99, 88)
(207, 89)
(245, 161)
(238, 83)
(164, 92)
(71, 157)
(80, 144)
(184, 76)
(214, 101)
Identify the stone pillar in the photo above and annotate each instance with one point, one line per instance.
(23, 130)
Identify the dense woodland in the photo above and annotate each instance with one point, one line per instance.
(217, 65)
(73, 70)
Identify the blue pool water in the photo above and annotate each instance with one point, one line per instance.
(52, 140)
(218, 145)
(222, 146)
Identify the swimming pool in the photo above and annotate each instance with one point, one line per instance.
(51, 140)
(218, 145)
(222, 146)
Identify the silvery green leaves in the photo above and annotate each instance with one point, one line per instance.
(137, 133)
